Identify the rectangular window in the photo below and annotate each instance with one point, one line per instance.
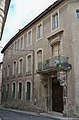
(14, 68)
(4, 91)
(39, 56)
(28, 91)
(13, 90)
(7, 91)
(28, 66)
(15, 47)
(21, 43)
(56, 49)
(20, 66)
(29, 38)
(39, 31)
(54, 21)
(20, 91)
(8, 70)
(25, 39)
(39, 59)
(4, 72)
(77, 13)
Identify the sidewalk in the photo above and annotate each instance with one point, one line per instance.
(54, 115)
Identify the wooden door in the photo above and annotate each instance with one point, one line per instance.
(57, 96)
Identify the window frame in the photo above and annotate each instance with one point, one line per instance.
(36, 58)
(8, 70)
(40, 37)
(13, 73)
(19, 71)
(27, 63)
(21, 91)
(30, 90)
(77, 14)
(4, 71)
(21, 47)
(15, 46)
(28, 37)
(15, 90)
(53, 52)
(52, 21)
(7, 90)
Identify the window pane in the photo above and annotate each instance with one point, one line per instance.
(28, 91)
(4, 92)
(21, 43)
(39, 31)
(77, 12)
(29, 37)
(20, 66)
(7, 91)
(39, 56)
(14, 68)
(54, 21)
(20, 91)
(13, 90)
(29, 64)
(4, 71)
(55, 50)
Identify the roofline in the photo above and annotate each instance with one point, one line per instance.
(7, 3)
(55, 4)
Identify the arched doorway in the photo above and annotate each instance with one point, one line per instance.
(57, 96)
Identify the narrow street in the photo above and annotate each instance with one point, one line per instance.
(10, 115)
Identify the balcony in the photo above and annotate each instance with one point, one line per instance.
(53, 64)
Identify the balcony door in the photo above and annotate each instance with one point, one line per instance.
(56, 49)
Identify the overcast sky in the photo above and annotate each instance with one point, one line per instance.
(21, 12)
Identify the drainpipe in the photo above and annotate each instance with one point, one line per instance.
(33, 76)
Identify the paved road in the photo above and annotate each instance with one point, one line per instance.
(10, 115)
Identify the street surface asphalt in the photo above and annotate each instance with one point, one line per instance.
(11, 115)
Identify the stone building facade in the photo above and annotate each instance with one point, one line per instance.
(40, 63)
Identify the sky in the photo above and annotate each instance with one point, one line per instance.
(20, 13)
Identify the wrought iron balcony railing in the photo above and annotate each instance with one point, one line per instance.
(56, 62)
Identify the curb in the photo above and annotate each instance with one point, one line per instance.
(21, 111)
(58, 117)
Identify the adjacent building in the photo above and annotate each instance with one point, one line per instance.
(41, 62)
(4, 6)
(0, 80)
